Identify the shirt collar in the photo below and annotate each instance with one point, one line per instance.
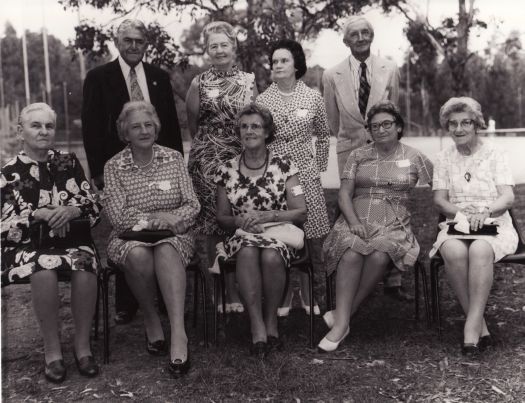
(126, 67)
(126, 162)
(356, 64)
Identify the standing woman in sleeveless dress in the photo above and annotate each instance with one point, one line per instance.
(299, 114)
(212, 103)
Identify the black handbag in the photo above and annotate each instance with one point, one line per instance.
(487, 229)
(79, 234)
(146, 235)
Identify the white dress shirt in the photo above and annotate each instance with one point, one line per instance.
(141, 77)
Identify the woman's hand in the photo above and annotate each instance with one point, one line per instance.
(477, 220)
(176, 224)
(359, 230)
(57, 216)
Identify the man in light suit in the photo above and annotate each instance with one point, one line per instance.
(350, 90)
(341, 88)
(106, 89)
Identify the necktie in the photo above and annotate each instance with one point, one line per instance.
(364, 90)
(135, 91)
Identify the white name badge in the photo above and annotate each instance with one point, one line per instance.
(302, 113)
(403, 163)
(213, 93)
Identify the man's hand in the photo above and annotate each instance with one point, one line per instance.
(57, 216)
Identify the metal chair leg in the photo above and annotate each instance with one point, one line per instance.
(195, 296)
(97, 307)
(105, 314)
(215, 305)
(202, 278)
(416, 285)
(329, 295)
(425, 293)
(311, 287)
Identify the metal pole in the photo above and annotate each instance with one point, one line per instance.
(407, 99)
(2, 99)
(66, 114)
(46, 66)
(26, 72)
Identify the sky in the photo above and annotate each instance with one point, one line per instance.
(502, 16)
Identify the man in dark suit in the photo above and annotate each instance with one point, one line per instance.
(106, 89)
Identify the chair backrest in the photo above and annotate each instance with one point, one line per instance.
(517, 227)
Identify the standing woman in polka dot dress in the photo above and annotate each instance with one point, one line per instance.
(300, 114)
(212, 103)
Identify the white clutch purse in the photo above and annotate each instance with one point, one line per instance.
(285, 232)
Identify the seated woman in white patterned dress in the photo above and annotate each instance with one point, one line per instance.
(374, 226)
(254, 188)
(41, 184)
(472, 177)
(148, 184)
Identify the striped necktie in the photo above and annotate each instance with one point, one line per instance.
(135, 91)
(364, 90)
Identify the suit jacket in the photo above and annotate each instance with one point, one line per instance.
(105, 93)
(344, 118)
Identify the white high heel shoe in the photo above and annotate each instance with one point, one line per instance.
(306, 307)
(329, 319)
(327, 346)
(283, 311)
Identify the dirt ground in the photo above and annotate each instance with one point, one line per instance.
(388, 357)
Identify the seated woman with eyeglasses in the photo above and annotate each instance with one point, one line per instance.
(374, 226)
(472, 177)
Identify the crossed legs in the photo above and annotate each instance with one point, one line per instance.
(356, 277)
(261, 272)
(44, 293)
(143, 267)
(470, 271)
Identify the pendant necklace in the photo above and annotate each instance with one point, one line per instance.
(265, 162)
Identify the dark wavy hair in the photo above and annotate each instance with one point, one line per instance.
(386, 107)
(295, 48)
(264, 113)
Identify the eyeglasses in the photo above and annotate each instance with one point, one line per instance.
(385, 124)
(465, 124)
(253, 126)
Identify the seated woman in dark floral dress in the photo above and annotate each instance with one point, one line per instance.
(42, 184)
(254, 188)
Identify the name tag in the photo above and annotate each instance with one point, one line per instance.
(213, 93)
(403, 163)
(297, 190)
(302, 113)
(161, 185)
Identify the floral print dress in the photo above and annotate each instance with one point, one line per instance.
(258, 193)
(222, 95)
(27, 185)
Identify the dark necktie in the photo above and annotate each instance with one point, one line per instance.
(136, 93)
(364, 90)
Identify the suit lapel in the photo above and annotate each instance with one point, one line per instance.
(379, 81)
(345, 87)
(153, 85)
(117, 82)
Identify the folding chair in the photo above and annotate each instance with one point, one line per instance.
(113, 268)
(437, 261)
(302, 263)
(419, 269)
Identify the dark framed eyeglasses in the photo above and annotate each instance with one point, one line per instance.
(385, 124)
(253, 126)
(465, 124)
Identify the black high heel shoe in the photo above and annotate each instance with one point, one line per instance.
(178, 368)
(470, 350)
(86, 365)
(157, 348)
(55, 371)
(486, 342)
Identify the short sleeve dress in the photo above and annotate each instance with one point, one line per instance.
(132, 194)
(222, 95)
(297, 121)
(487, 168)
(382, 190)
(27, 185)
(260, 193)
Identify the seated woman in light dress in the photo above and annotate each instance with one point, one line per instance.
(472, 177)
(148, 184)
(374, 226)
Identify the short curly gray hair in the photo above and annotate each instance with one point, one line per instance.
(36, 106)
(219, 27)
(264, 113)
(458, 105)
(136, 106)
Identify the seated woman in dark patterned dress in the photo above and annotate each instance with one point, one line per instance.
(254, 188)
(148, 186)
(374, 226)
(41, 184)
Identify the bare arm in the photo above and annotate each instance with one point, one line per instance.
(346, 194)
(192, 106)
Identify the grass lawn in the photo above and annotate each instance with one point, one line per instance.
(388, 356)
